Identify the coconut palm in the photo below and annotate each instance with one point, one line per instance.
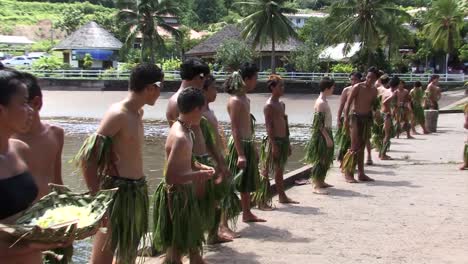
(267, 22)
(142, 18)
(445, 23)
(364, 21)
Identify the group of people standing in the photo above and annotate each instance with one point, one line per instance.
(204, 172)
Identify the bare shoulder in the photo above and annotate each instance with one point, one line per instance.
(113, 120)
(19, 147)
(320, 105)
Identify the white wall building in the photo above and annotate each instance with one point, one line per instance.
(299, 20)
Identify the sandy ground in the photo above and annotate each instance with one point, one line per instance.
(93, 104)
(415, 212)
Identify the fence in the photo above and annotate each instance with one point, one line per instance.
(174, 75)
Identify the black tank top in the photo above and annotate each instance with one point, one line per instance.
(17, 193)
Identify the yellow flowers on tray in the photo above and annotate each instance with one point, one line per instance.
(83, 216)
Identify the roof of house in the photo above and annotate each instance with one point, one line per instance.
(210, 45)
(15, 40)
(90, 36)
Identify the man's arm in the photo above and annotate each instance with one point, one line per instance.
(234, 113)
(172, 112)
(58, 159)
(351, 96)
(321, 108)
(269, 112)
(343, 98)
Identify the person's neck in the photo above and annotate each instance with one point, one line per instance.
(186, 120)
(274, 98)
(4, 138)
(134, 103)
(323, 96)
(185, 83)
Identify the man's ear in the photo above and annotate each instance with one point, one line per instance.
(36, 103)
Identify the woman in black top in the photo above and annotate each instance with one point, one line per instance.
(18, 189)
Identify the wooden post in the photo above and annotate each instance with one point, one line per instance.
(431, 117)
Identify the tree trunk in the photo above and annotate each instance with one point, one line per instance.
(273, 61)
(151, 49)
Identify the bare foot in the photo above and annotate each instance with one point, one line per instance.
(197, 259)
(463, 167)
(226, 231)
(266, 207)
(365, 178)
(369, 162)
(385, 157)
(350, 179)
(326, 185)
(301, 182)
(287, 200)
(426, 132)
(251, 218)
(318, 190)
(166, 259)
(410, 137)
(219, 239)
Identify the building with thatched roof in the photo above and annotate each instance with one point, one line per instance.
(91, 39)
(207, 49)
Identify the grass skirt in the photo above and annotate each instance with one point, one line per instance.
(250, 178)
(343, 141)
(177, 219)
(465, 154)
(378, 133)
(317, 153)
(128, 216)
(418, 114)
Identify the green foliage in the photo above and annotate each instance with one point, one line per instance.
(400, 64)
(144, 17)
(306, 57)
(315, 30)
(463, 52)
(106, 3)
(48, 63)
(210, 11)
(73, 17)
(232, 53)
(342, 67)
(363, 58)
(123, 67)
(87, 61)
(171, 64)
(43, 45)
(313, 4)
(445, 23)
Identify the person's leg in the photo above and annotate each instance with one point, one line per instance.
(247, 215)
(386, 141)
(215, 236)
(350, 159)
(279, 181)
(172, 256)
(224, 229)
(102, 253)
(369, 153)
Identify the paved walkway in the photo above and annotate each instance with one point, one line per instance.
(415, 212)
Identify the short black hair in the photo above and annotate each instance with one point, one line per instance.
(10, 83)
(394, 82)
(32, 84)
(144, 74)
(209, 80)
(189, 99)
(384, 79)
(357, 75)
(433, 77)
(193, 67)
(374, 70)
(417, 84)
(326, 83)
(248, 70)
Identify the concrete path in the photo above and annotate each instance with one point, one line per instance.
(415, 212)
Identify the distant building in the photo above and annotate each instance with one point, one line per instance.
(299, 20)
(207, 48)
(95, 40)
(15, 40)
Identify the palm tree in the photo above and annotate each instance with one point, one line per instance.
(445, 23)
(364, 21)
(267, 22)
(143, 17)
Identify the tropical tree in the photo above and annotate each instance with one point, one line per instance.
(364, 21)
(267, 22)
(232, 53)
(143, 18)
(445, 23)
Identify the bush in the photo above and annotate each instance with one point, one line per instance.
(232, 53)
(128, 66)
(171, 64)
(280, 69)
(342, 68)
(44, 45)
(48, 63)
(87, 61)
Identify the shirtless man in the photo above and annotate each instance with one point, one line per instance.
(192, 73)
(386, 112)
(343, 138)
(177, 220)
(403, 109)
(433, 93)
(361, 99)
(243, 154)
(112, 158)
(44, 140)
(276, 145)
(215, 148)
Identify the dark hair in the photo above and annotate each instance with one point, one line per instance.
(433, 77)
(395, 81)
(374, 70)
(191, 68)
(189, 99)
(32, 84)
(248, 70)
(144, 74)
(209, 80)
(357, 75)
(273, 80)
(384, 79)
(10, 81)
(417, 84)
(326, 83)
